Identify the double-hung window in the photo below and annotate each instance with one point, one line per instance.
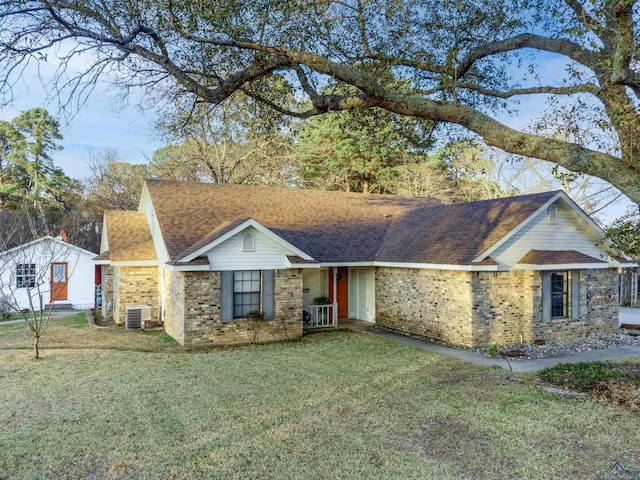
(243, 291)
(561, 295)
(246, 292)
(26, 275)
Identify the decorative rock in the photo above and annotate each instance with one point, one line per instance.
(594, 341)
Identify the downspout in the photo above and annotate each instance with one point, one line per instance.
(335, 296)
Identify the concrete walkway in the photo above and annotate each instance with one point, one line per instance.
(511, 365)
(629, 316)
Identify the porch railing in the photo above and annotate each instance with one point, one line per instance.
(319, 316)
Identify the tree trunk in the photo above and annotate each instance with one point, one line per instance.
(36, 339)
(365, 185)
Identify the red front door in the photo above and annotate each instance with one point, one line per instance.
(342, 288)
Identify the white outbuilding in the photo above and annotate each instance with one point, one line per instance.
(47, 272)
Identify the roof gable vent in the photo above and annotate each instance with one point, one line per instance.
(248, 242)
(552, 215)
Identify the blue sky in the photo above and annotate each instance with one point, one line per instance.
(104, 121)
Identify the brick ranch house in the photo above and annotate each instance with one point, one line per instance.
(203, 256)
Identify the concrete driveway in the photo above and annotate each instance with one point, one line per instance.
(629, 315)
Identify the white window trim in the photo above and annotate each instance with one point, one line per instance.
(26, 278)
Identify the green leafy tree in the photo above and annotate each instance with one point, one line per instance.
(359, 150)
(12, 149)
(624, 235)
(27, 170)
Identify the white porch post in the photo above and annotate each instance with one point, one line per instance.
(335, 296)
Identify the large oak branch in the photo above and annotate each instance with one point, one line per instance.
(572, 156)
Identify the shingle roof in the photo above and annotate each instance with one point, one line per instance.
(103, 256)
(329, 226)
(456, 234)
(556, 257)
(129, 236)
(338, 226)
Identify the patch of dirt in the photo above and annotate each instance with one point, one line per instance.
(624, 394)
(513, 353)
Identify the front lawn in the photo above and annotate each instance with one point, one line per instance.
(333, 405)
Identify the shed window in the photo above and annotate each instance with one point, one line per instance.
(248, 242)
(26, 275)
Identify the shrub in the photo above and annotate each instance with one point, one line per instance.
(584, 376)
(321, 300)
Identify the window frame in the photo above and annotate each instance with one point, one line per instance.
(564, 294)
(25, 271)
(247, 289)
(571, 294)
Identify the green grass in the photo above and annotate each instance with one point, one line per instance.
(333, 405)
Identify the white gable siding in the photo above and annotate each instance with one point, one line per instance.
(146, 207)
(267, 254)
(365, 293)
(80, 272)
(570, 233)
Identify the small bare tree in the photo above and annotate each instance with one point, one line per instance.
(27, 274)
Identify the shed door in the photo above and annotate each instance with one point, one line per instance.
(59, 281)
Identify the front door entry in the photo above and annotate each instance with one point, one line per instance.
(342, 287)
(59, 281)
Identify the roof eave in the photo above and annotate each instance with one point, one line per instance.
(563, 266)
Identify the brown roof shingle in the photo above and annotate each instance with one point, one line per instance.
(329, 226)
(456, 234)
(339, 226)
(556, 257)
(129, 236)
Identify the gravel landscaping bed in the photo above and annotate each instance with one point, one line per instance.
(594, 341)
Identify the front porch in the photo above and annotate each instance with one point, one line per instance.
(332, 295)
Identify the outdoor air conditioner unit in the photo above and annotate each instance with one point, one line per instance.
(136, 315)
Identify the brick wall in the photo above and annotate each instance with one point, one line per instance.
(173, 308)
(107, 291)
(598, 308)
(134, 286)
(432, 304)
(192, 310)
(503, 306)
(473, 309)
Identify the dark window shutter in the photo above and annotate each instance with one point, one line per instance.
(268, 282)
(546, 296)
(226, 296)
(575, 295)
